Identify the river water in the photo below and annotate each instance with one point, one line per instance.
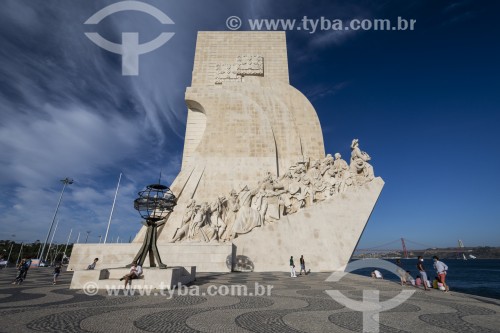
(476, 277)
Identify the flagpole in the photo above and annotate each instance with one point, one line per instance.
(19, 255)
(67, 242)
(112, 208)
(8, 258)
(52, 239)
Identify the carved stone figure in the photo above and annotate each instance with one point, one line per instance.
(302, 185)
(271, 205)
(199, 220)
(259, 203)
(340, 166)
(186, 219)
(247, 217)
(359, 164)
(294, 199)
(316, 183)
(217, 209)
(340, 171)
(326, 169)
(232, 208)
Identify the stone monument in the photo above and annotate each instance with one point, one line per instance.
(255, 186)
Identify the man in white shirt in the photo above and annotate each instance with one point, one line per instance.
(441, 269)
(135, 273)
(377, 275)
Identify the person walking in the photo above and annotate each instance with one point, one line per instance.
(292, 268)
(57, 271)
(21, 269)
(421, 270)
(441, 269)
(302, 265)
(27, 264)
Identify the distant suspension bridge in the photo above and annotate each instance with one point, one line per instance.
(400, 246)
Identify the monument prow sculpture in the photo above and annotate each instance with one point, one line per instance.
(255, 186)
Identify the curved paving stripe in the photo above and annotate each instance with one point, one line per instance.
(68, 321)
(222, 319)
(16, 295)
(167, 321)
(34, 297)
(353, 321)
(455, 321)
(272, 320)
(176, 320)
(122, 320)
(265, 321)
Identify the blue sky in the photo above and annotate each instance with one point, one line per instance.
(425, 105)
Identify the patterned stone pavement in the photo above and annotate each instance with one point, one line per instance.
(294, 305)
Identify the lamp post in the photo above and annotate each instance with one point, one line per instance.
(87, 238)
(66, 181)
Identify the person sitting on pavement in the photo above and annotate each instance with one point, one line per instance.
(92, 265)
(435, 282)
(418, 281)
(409, 279)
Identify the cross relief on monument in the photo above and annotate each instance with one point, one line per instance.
(245, 65)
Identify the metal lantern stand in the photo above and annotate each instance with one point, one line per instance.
(154, 204)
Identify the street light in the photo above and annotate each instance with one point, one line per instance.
(87, 238)
(66, 181)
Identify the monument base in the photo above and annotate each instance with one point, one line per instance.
(207, 257)
(152, 278)
(326, 233)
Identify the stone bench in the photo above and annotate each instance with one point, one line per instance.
(154, 278)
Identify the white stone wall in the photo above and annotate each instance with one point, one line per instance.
(206, 257)
(326, 233)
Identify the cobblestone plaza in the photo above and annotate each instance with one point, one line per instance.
(294, 305)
